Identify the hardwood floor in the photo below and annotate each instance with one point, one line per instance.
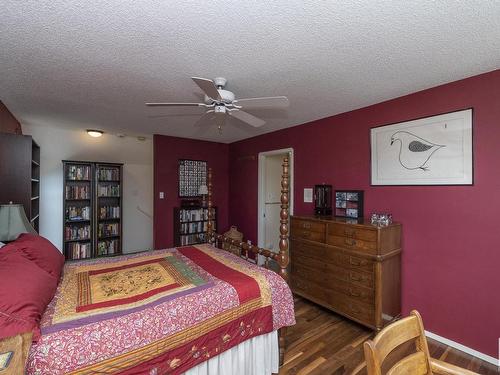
(324, 343)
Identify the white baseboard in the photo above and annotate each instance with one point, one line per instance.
(463, 348)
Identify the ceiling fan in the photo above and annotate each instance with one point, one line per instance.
(221, 103)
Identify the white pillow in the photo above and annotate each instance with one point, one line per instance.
(1, 245)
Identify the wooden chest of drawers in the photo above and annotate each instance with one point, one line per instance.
(350, 267)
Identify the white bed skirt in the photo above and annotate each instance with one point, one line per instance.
(257, 356)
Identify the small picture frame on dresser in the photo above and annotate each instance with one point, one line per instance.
(349, 203)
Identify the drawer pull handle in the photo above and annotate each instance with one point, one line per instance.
(356, 277)
(350, 241)
(353, 293)
(306, 234)
(349, 233)
(357, 262)
(354, 309)
(306, 225)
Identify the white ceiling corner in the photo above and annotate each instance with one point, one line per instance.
(75, 63)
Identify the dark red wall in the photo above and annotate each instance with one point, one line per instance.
(167, 152)
(8, 123)
(451, 235)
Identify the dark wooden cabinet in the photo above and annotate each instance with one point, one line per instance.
(348, 266)
(190, 225)
(92, 209)
(20, 174)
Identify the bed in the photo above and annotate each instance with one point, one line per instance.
(194, 310)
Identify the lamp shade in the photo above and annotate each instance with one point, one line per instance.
(203, 190)
(13, 222)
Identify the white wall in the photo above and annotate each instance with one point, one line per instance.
(58, 144)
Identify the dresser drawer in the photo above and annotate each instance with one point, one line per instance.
(349, 231)
(329, 282)
(307, 235)
(312, 226)
(331, 271)
(331, 255)
(352, 307)
(352, 243)
(300, 285)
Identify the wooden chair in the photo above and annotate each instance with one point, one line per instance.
(417, 363)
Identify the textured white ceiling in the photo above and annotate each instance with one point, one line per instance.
(93, 64)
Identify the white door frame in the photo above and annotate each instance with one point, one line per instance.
(261, 189)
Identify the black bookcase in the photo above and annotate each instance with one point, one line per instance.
(20, 174)
(190, 225)
(92, 209)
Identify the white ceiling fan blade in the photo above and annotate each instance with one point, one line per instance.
(175, 104)
(247, 118)
(269, 102)
(206, 117)
(208, 87)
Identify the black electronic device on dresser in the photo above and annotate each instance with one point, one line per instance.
(323, 200)
(92, 209)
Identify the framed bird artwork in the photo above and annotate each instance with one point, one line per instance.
(434, 150)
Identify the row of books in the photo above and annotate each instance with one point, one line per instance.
(108, 247)
(200, 226)
(188, 239)
(78, 172)
(108, 190)
(77, 233)
(78, 250)
(193, 215)
(109, 212)
(106, 230)
(77, 192)
(74, 213)
(108, 174)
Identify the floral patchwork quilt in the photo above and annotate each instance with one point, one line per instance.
(159, 312)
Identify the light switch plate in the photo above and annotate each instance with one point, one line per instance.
(308, 195)
(162, 195)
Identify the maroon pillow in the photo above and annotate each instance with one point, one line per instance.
(42, 252)
(25, 292)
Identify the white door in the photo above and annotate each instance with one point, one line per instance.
(270, 171)
(272, 201)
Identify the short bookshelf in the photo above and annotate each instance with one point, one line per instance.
(191, 225)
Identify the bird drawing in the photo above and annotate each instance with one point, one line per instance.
(414, 151)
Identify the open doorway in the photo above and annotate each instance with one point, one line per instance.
(269, 200)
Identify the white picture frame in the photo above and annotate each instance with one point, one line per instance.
(435, 150)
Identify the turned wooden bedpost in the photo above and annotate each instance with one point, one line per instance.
(283, 244)
(209, 224)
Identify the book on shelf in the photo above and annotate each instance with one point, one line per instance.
(108, 247)
(195, 227)
(189, 239)
(107, 230)
(79, 250)
(78, 172)
(193, 214)
(74, 213)
(109, 212)
(108, 190)
(108, 174)
(73, 233)
(77, 192)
